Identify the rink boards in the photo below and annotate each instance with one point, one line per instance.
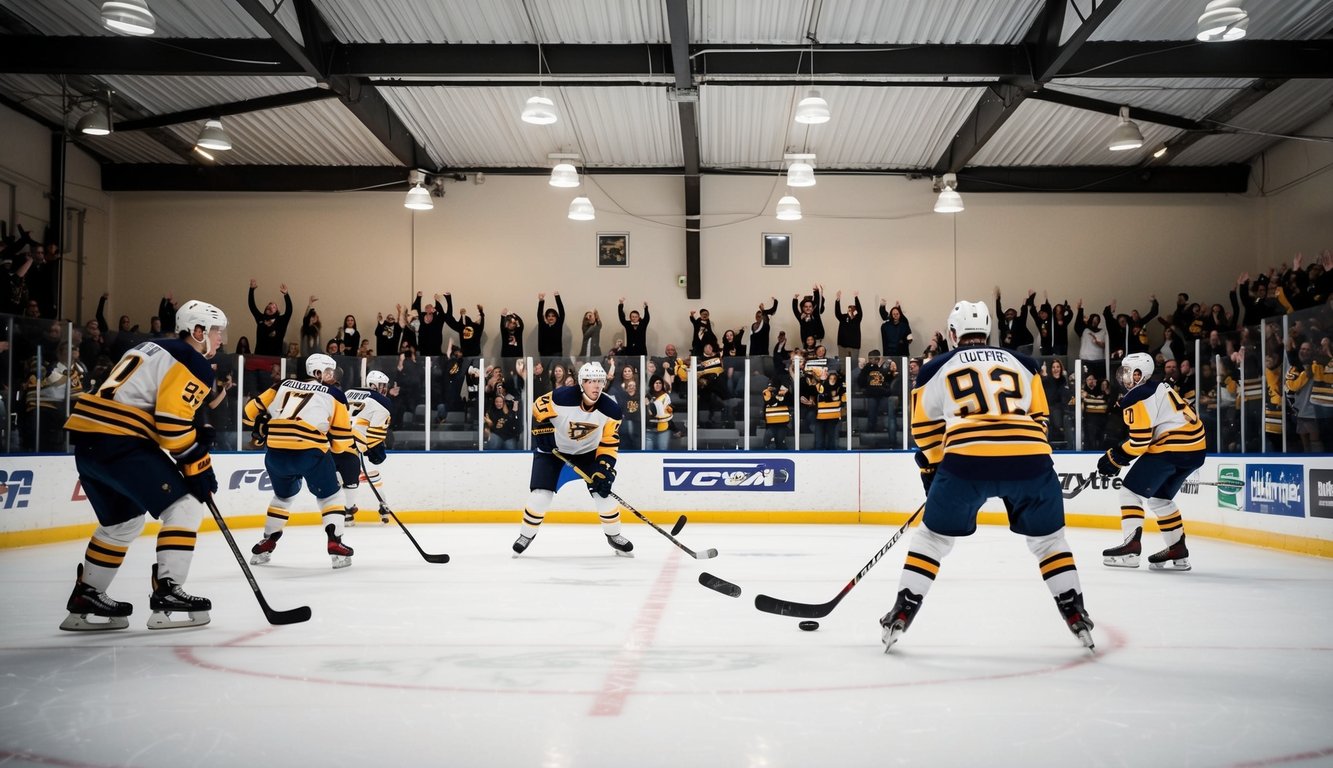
(1285, 503)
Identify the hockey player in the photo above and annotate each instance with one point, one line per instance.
(584, 426)
(1167, 438)
(369, 411)
(148, 403)
(302, 421)
(979, 421)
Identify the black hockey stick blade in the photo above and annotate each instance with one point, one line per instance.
(675, 529)
(718, 584)
(781, 607)
(275, 617)
(428, 557)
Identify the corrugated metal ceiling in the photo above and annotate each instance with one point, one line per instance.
(195, 18)
(1041, 133)
(1192, 98)
(1284, 111)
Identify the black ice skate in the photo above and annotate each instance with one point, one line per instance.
(896, 621)
(1070, 604)
(263, 551)
(1174, 558)
(169, 598)
(384, 515)
(623, 546)
(522, 542)
(349, 515)
(340, 553)
(1127, 554)
(86, 602)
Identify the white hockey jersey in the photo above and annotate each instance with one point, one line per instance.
(579, 430)
(1160, 421)
(303, 415)
(369, 412)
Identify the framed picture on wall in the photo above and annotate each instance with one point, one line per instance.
(777, 250)
(613, 249)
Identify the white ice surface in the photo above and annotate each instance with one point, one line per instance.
(569, 656)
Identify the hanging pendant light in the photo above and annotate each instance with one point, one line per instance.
(801, 172)
(212, 136)
(128, 17)
(949, 200)
(539, 109)
(789, 209)
(580, 209)
(1222, 21)
(1126, 135)
(97, 122)
(418, 197)
(812, 110)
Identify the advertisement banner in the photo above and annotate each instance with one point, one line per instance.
(1275, 489)
(760, 474)
(1321, 493)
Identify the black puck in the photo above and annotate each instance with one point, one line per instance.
(809, 626)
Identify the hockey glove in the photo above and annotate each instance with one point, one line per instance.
(543, 437)
(259, 432)
(349, 468)
(927, 471)
(196, 466)
(603, 476)
(377, 455)
(1111, 462)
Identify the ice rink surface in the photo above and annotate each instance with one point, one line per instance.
(569, 656)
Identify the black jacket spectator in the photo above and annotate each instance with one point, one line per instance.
(895, 333)
(809, 311)
(551, 329)
(636, 333)
(759, 329)
(430, 331)
(270, 325)
(849, 324)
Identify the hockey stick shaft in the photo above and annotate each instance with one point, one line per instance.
(428, 557)
(292, 616)
(705, 555)
(781, 607)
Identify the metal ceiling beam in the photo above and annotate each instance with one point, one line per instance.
(230, 108)
(360, 97)
(678, 29)
(1112, 108)
(1223, 113)
(128, 177)
(1000, 103)
(27, 53)
(1229, 179)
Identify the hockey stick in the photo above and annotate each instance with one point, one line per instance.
(1226, 485)
(428, 557)
(705, 555)
(719, 584)
(809, 611)
(292, 616)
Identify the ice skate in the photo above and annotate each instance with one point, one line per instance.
(384, 515)
(522, 542)
(1174, 558)
(623, 546)
(263, 551)
(1127, 554)
(1071, 608)
(896, 621)
(340, 553)
(349, 515)
(169, 598)
(86, 602)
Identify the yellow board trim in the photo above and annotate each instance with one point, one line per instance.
(1302, 545)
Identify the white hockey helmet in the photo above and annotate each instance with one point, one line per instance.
(592, 372)
(199, 314)
(318, 363)
(1137, 361)
(377, 379)
(968, 318)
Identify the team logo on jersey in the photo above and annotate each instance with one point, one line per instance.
(16, 485)
(258, 477)
(578, 430)
(728, 475)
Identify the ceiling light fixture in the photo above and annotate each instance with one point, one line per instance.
(564, 174)
(1222, 21)
(801, 172)
(418, 197)
(1160, 152)
(212, 136)
(812, 110)
(128, 17)
(1126, 135)
(789, 209)
(539, 109)
(580, 209)
(949, 200)
(97, 122)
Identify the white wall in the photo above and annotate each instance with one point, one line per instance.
(1296, 215)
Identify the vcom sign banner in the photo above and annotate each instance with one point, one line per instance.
(728, 475)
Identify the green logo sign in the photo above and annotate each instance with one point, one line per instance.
(1227, 494)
